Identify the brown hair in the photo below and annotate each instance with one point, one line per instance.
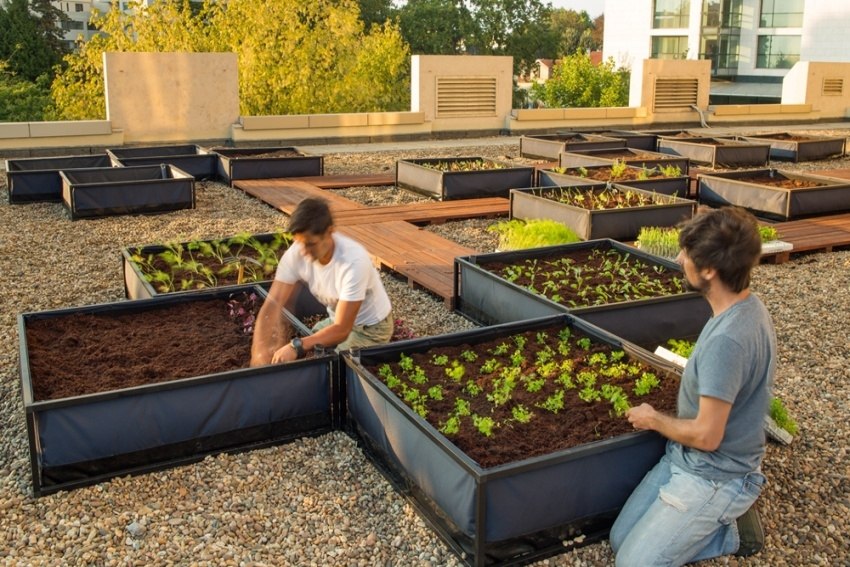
(726, 240)
(312, 215)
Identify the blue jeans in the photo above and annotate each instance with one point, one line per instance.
(674, 517)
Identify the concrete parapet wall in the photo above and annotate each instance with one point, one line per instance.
(20, 138)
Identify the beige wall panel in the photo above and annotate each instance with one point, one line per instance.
(162, 97)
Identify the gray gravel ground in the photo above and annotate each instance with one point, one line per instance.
(318, 501)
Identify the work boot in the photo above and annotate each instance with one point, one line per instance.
(750, 533)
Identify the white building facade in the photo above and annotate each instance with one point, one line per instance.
(747, 41)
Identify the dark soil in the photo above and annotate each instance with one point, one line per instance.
(577, 423)
(599, 199)
(781, 181)
(789, 137)
(629, 156)
(270, 154)
(78, 354)
(605, 174)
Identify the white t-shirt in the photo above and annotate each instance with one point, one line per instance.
(349, 276)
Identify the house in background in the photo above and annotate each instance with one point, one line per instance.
(751, 43)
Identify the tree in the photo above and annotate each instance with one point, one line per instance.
(435, 27)
(375, 12)
(577, 82)
(22, 100)
(30, 38)
(294, 57)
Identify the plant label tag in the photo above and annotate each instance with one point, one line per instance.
(671, 356)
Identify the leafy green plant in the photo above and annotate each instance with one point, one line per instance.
(659, 240)
(485, 425)
(682, 347)
(780, 415)
(516, 234)
(768, 233)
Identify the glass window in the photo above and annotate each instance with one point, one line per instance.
(78, 7)
(777, 51)
(781, 13)
(671, 13)
(670, 47)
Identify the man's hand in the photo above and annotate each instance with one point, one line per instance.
(642, 416)
(286, 353)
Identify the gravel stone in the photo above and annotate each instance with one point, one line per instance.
(318, 500)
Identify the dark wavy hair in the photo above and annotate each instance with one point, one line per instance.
(312, 216)
(725, 239)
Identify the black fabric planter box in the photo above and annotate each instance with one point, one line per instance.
(126, 190)
(830, 195)
(37, 179)
(486, 298)
(507, 514)
(793, 147)
(673, 186)
(548, 146)
(136, 285)
(83, 440)
(414, 174)
(633, 139)
(192, 159)
(619, 223)
(630, 156)
(717, 152)
(262, 163)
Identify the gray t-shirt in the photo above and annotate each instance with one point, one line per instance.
(734, 360)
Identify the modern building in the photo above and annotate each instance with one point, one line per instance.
(79, 12)
(751, 43)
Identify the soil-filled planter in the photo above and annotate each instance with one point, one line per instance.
(266, 163)
(633, 139)
(716, 152)
(461, 178)
(629, 156)
(198, 162)
(548, 146)
(777, 194)
(647, 318)
(796, 147)
(652, 180)
(542, 494)
(104, 191)
(620, 217)
(37, 179)
(224, 263)
(135, 386)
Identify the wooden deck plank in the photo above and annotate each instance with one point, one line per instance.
(812, 235)
(343, 181)
(285, 194)
(431, 212)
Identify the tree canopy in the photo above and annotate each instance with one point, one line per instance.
(30, 37)
(577, 82)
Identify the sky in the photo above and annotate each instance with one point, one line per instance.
(592, 7)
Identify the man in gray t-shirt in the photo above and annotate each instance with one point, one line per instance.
(697, 502)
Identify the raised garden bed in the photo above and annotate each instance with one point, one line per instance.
(195, 160)
(266, 163)
(633, 139)
(667, 180)
(461, 178)
(774, 193)
(135, 386)
(37, 179)
(716, 152)
(593, 212)
(629, 156)
(633, 295)
(797, 147)
(224, 263)
(548, 146)
(503, 466)
(103, 191)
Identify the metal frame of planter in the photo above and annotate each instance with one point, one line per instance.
(508, 514)
(808, 149)
(619, 224)
(235, 164)
(485, 298)
(673, 186)
(84, 440)
(548, 146)
(103, 191)
(445, 185)
(137, 287)
(193, 159)
(630, 156)
(732, 188)
(717, 152)
(30, 180)
(634, 139)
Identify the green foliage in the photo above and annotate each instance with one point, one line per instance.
(681, 347)
(435, 27)
(659, 240)
(516, 234)
(577, 82)
(31, 38)
(768, 233)
(574, 32)
(22, 100)
(294, 57)
(781, 416)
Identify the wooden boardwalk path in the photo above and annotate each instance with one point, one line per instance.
(816, 234)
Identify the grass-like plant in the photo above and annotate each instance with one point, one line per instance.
(517, 235)
(783, 419)
(659, 240)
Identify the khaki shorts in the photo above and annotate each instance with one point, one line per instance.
(363, 335)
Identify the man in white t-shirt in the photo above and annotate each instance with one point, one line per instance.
(338, 272)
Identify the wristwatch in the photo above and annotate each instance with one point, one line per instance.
(298, 346)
